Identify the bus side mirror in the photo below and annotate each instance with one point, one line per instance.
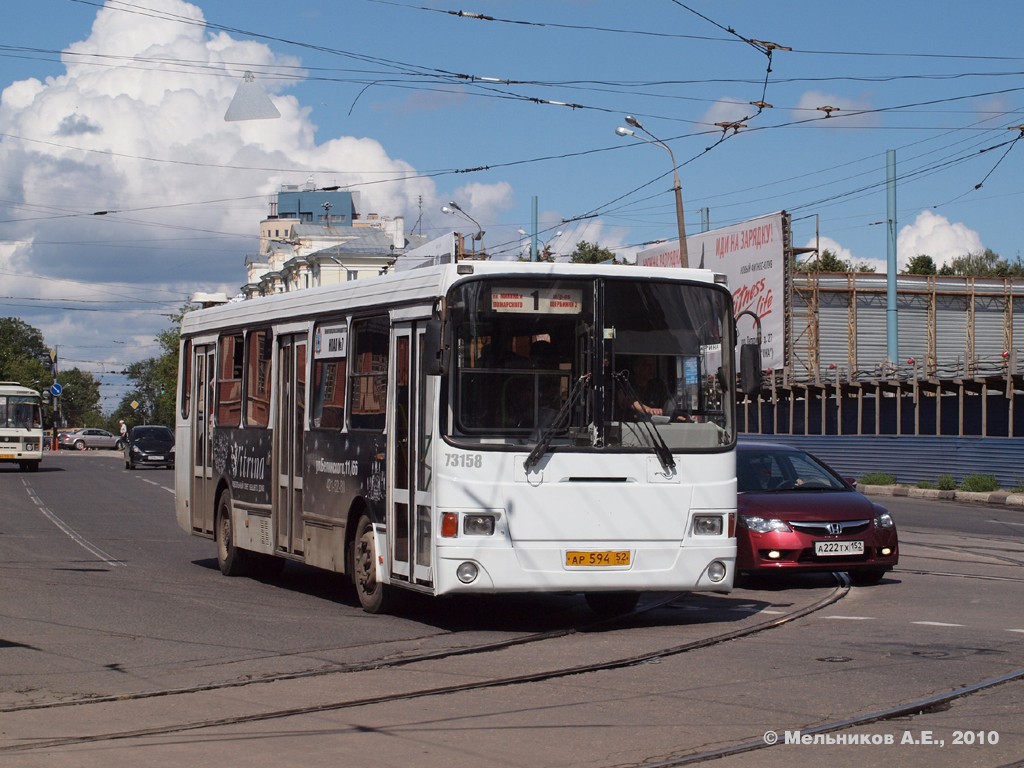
(750, 369)
(435, 353)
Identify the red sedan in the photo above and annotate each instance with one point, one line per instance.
(797, 514)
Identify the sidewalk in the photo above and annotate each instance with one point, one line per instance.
(1005, 498)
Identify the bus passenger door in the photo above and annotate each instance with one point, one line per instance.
(202, 440)
(288, 433)
(410, 512)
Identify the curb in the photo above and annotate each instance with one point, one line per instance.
(1004, 498)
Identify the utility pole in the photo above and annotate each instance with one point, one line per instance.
(56, 398)
(891, 324)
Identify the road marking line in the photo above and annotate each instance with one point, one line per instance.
(71, 533)
(936, 624)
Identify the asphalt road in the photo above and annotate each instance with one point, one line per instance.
(105, 600)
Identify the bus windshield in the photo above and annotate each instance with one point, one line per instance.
(592, 364)
(20, 412)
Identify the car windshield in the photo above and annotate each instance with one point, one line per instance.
(152, 435)
(772, 471)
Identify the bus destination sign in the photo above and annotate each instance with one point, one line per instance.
(539, 301)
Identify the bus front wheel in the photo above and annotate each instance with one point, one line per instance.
(374, 597)
(232, 560)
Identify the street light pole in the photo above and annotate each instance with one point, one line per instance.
(684, 258)
(453, 208)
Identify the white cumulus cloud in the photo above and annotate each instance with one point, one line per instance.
(124, 189)
(936, 236)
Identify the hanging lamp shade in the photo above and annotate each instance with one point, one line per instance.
(250, 102)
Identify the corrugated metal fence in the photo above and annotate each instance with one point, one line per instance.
(913, 459)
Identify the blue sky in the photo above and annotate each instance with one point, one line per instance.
(118, 107)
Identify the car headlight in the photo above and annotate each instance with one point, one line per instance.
(764, 524)
(884, 520)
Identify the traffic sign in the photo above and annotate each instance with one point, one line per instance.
(56, 389)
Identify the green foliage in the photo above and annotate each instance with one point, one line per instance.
(986, 264)
(979, 483)
(829, 261)
(80, 399)
(922, 264)
(877, 478)
(24, 356)
(925, 484)
(155, 381)
(946, 483)
(591, 253)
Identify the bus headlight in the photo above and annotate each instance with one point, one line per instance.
(716, 571)
(478, 525)
(467, 572)
(707, 525)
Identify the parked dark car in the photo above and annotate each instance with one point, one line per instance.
(89, 437)
(151, 446)
(796, 514)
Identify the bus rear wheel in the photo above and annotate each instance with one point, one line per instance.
(374, 597)
(232, 560)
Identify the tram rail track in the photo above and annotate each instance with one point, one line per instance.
(911, 709)
(837, 594)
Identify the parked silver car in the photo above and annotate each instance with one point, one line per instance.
(89, 437)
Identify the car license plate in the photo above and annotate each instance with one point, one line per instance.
(834, 548)
(155, 458)
(598, 558)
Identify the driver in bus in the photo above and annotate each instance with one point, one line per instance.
(651, 392)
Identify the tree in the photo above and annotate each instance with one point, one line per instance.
(922, 264)
(985, 264)
(591, 253)
(24, 356)
(829, 261)
(80, 398)
(155, 380)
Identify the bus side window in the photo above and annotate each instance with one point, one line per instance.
(368, 373)
(329, 394)
(186, 380)
(229, 381)
(257, 379)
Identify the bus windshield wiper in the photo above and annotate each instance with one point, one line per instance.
(558, 423)
(661, 449)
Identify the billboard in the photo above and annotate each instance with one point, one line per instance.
(752, 256)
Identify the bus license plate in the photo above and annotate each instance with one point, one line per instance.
(838, 548)
(599, 558)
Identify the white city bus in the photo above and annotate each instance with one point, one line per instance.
(468, 428)
(21, 426)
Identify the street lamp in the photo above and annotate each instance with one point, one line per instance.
(454, 208)
(545, 252)
(684, 259)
